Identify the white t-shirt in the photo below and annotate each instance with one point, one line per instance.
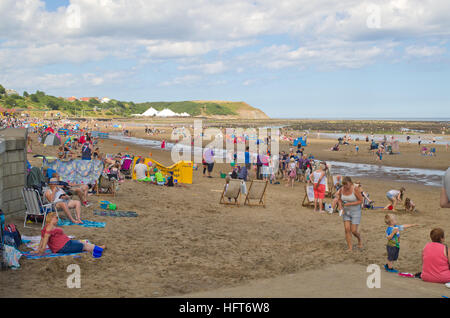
(316, 177)
(141, 170)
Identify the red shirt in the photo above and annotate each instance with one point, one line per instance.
(57, 238)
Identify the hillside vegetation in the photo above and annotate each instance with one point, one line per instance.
(40, 101)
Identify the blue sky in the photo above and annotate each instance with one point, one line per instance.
(289, 58)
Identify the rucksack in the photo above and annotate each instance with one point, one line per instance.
(11, 235)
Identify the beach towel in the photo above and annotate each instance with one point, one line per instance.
(77, 171)
(123, 214)
(47, 254)
(86, 223)
(33, 243)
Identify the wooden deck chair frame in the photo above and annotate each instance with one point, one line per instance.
(236, 183)
(112, 187)
(34, 205)
(261, 197)
(306, 200)
(331, 189)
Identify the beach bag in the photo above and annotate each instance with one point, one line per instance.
(11, 236)
(243, 188)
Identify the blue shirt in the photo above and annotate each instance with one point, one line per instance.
(394, 241)
(247, 157)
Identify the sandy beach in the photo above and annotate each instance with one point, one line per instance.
(185, 243)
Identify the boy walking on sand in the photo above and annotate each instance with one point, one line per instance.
(393, 244)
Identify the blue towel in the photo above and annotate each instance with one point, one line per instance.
(86, 223)
(48, 253)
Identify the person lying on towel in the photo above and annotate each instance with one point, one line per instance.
(58, 242)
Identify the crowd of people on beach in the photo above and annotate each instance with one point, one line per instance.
(348, 199)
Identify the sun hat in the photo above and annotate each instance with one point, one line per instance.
(53, 181)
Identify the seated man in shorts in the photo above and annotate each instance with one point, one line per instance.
(81, 190)
(62, 201)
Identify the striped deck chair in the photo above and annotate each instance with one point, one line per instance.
(35, 207)
(232, 192)
(105, 186)
(308, 201)
(257, 191)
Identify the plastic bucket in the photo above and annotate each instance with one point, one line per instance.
(104, 204)
(97, 252)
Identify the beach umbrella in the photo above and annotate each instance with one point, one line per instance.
(51, 140)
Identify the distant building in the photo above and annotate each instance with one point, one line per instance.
(105, 100)
(86, 99)
(71, 99)
(10, 92)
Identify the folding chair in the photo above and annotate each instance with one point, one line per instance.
(233, 191)
(256, 191)
(105, 186)
(308, 200)
(34, 205)
(125, 169)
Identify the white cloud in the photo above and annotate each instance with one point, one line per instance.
(181, 80)
(322, 33)
(424, 51)
(207, 68)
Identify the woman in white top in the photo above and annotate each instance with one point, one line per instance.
(394, 196)
(351, 199)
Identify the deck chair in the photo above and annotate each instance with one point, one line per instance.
(105, 186)
(308, 201)
(232, 192)
(125, 169)
(256, 191)
(35, 207)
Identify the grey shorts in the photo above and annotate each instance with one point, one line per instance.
(353, 216)
(392, 252)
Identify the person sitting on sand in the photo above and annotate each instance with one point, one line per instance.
(435, 259)
(57, 241)
(394, 196)
(62, 201)
(141, 170)
(409, 205)
(393, 244)
(160, 180)
(445, 191)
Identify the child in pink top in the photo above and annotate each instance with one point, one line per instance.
(435, 259)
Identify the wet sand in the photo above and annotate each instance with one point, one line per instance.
(185, 242)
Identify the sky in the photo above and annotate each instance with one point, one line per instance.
(290, 58)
